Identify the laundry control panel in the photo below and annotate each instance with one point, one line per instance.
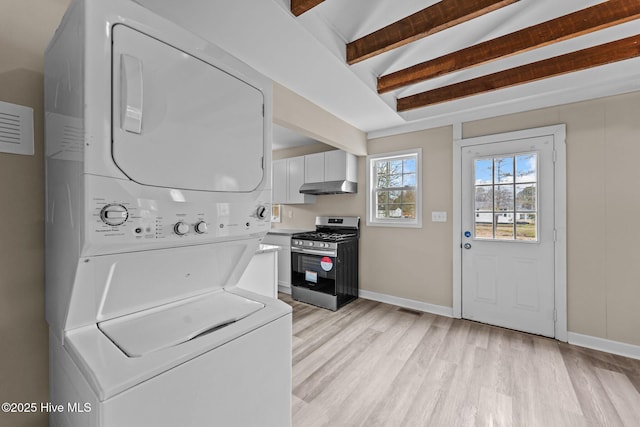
(119, 218)
(158, 222)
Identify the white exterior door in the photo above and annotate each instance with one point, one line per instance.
(508, 233)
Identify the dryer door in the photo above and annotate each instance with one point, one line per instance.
(180, 122)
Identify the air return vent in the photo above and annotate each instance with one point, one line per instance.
(16, 129)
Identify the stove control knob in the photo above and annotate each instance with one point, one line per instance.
(261, 212)
(181, 228)
(201, 227)
(114, 214)
(309, 243)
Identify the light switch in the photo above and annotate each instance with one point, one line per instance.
(438, 217)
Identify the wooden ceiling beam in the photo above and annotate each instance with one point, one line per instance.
(298, 7)
(435, 18)
(603, 15)
(575, 61)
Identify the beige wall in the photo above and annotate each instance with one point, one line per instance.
(26, 26)
(603, 200)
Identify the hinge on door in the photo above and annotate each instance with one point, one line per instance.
(555, 235)
(555, 315)
(263, 116)
(555, 156)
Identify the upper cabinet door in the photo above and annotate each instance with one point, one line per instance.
(314, 167)
(180, 122)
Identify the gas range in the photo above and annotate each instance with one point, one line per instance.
(325, 263)
(330, 232)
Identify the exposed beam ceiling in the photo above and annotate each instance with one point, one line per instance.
(435, 18)
(298, 7)
(603, 15)
(575, 61)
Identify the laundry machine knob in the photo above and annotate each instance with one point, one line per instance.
(181, 228)
(114, 214)
(261, 212)
(201, 227)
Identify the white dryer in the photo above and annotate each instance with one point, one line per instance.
(158, 153)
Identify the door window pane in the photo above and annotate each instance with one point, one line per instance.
(484, 171)
(484, 225)
(526, 227)
(484, 198)
(526, 196)
(526, 167)
(504, 169)
(504, 227)
(506, 197)
(503, 198)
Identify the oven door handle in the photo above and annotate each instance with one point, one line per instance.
(314, 252)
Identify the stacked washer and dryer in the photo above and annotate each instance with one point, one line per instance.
(158, 153)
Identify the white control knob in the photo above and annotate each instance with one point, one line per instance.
(201, 227)
(114, 214)
(181, 228)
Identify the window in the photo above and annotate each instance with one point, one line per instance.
(393, 189)
(506, 197)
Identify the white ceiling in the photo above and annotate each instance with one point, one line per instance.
(307, 55)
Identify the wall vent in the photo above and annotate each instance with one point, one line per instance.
(16, 129)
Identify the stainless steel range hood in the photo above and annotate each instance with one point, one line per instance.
(330, 187)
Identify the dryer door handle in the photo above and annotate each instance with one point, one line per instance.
(131, 93)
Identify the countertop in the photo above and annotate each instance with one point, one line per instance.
(288, 231)
(263, 248)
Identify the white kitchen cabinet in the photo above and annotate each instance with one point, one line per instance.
(314, 167)
(339, 166)
(288, 177)
(335, 165)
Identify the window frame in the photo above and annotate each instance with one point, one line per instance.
(372, 220)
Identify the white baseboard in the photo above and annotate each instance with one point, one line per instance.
(284, 289)
(407, 303)
(615, 347)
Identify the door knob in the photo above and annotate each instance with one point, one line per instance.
(467, 245)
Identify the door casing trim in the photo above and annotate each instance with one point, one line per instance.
(560, 213)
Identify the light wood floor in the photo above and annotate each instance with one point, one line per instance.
(374, 364)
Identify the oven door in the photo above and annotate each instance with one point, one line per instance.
(314, 270)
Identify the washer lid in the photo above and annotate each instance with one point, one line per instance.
(166, 326)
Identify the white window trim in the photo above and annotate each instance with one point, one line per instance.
(398, 222)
